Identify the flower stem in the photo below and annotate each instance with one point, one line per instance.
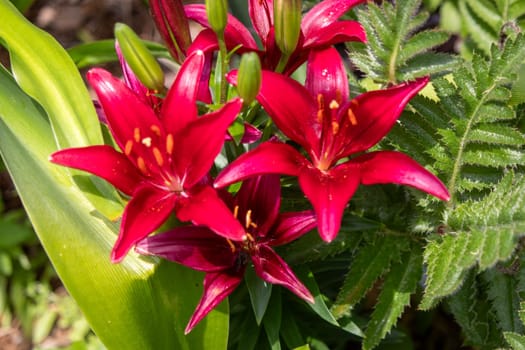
(223, 57)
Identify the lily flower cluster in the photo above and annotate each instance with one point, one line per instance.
(164, 160)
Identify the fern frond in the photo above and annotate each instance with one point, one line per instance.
(486, 233)
(504, 299)
(396, 51)
(370, 263)
(400, 283)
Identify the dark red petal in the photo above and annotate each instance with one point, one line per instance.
(146, 211)
(337, 32)
(261, 14)
(204, 207)
(124, 110)
(102, 161)
(326, 75)
(290, 106)
(198, 144)
(205, 41)
(324, 14)
(270, 267)
(262, 196)
(217, 286)
(329, 192)
(375, 113)
(394, 167)
(196, 247)
(291, 226)
(269, 158)
(180, 105)
(235, 32)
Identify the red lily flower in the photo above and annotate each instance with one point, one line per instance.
(319, 27)
(256, 206)
(164, 158)
(330, 129)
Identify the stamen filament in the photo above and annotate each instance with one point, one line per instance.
(232, 246)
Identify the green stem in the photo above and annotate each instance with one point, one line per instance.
(282, 63)
(223, 56)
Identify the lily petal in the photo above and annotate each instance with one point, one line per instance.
(146, 211)
(261, 14)
(329, 192)
(180, 105)
(235, 32)
(337, 32)
(199, 143)
(124, 111)
(206, 41)
(326, 75)
(102, 161)
(273, 269)
(204, 207)
(289, 104)
(375, 113)
(395, 167)
(217, 286)
(324, 14)
(269, 158)
(291, 226)
(196, 247)
(261, 195)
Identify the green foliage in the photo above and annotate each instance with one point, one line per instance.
(396, 50)
(484, 22)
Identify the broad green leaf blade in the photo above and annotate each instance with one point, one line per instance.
(399, 285)
(138, 304)
(260, 293)
(103, 51)
(46, 73)
(272, 320)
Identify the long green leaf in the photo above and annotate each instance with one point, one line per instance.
(138, 304)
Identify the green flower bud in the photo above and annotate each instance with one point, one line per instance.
(139, 59)
(287, 24)
(249, 77)
(217, 12)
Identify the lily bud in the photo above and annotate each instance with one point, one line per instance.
(249, 77)
(173, 26)
(287, 24)
(217, 12)
(139, 59)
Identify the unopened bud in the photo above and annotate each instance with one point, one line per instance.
(172, 23)
(139, 59)
(217, 12)
(249, 77)
(287, 24)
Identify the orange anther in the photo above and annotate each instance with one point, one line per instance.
(155, 129)
(158, 156)
(136, 134)
(169, 144)
(141, 164)
(236, 211)
(335, 127)
(248, 221)
(320, 101)
(128, 147)
(320, 116)
(352, 117)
